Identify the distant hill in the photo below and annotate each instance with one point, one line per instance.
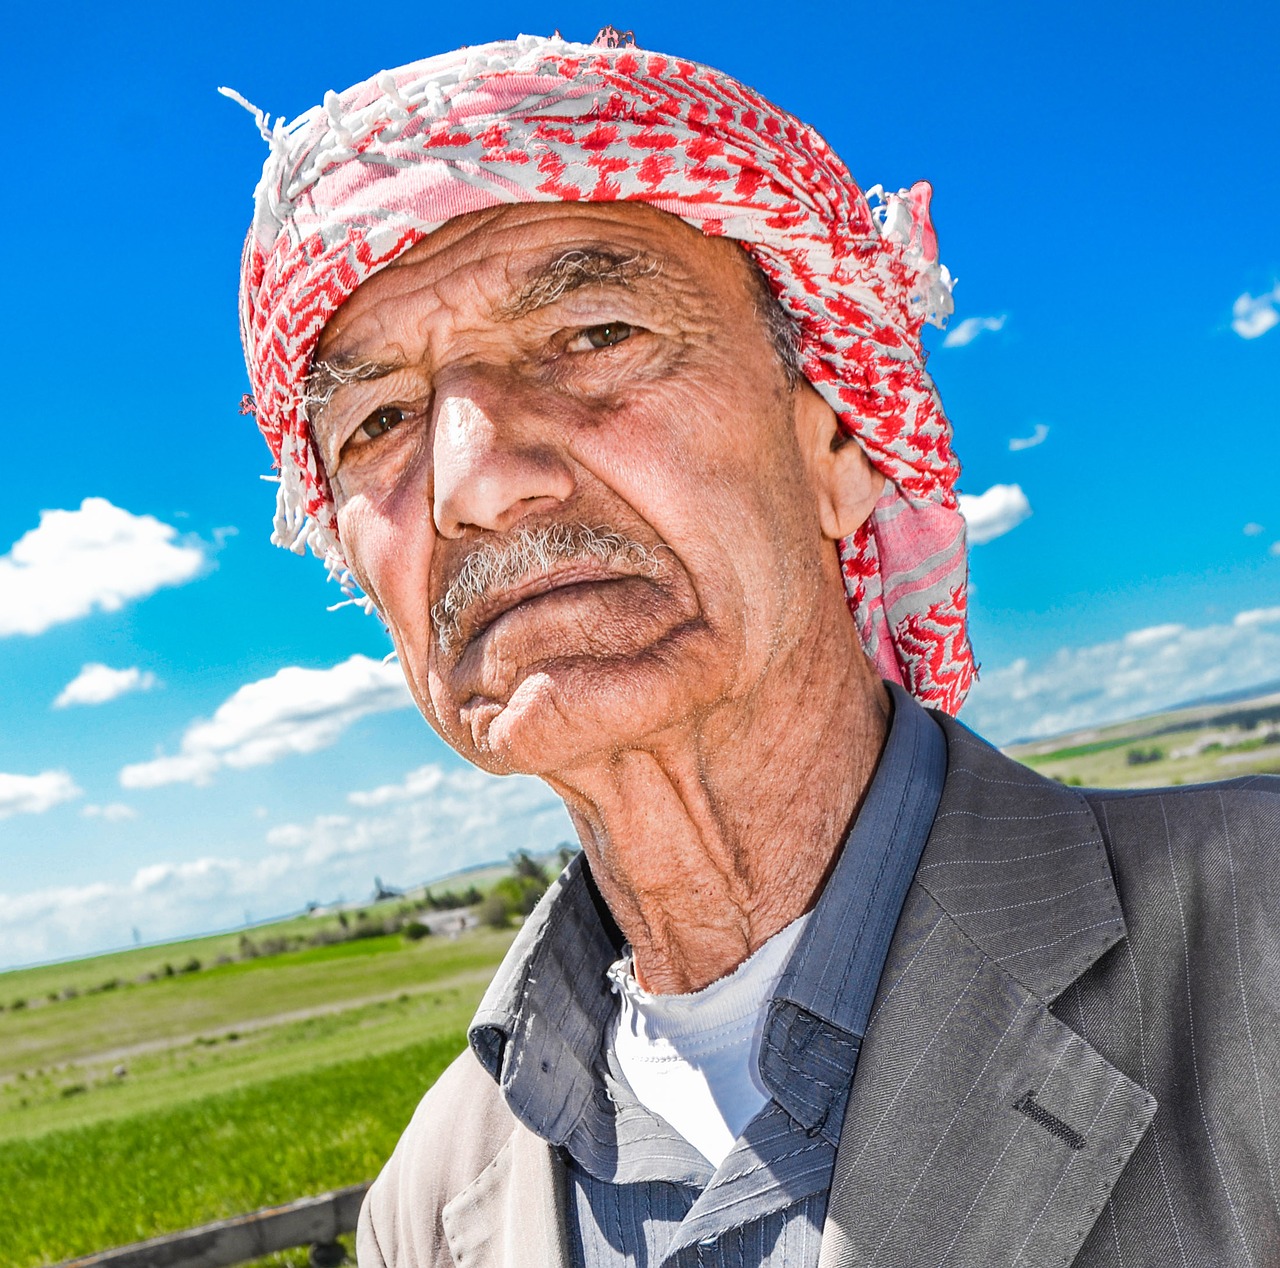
(1214, 738)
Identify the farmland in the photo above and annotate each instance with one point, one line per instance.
(1193, 745)
(139, 1094)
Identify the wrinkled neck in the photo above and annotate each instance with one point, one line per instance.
(709, 838)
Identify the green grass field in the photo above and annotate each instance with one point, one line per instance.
(156, 1105)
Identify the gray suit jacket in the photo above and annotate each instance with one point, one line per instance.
(1073, 1058)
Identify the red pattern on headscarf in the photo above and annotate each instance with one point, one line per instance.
(351, 185)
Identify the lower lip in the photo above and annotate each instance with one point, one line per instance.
(571, 592)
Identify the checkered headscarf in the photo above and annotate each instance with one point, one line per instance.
(353, 184)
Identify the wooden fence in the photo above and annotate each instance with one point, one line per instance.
(314, 1222)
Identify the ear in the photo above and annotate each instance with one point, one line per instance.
(845, 485)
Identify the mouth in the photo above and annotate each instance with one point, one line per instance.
(484, 615)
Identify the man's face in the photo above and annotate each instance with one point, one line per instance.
(567, 367)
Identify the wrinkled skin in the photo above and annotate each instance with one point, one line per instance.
(711, 722)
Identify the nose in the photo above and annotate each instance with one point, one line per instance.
(495, 453)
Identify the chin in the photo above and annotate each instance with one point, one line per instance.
(574, 714)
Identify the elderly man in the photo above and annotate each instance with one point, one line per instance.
(602, 379)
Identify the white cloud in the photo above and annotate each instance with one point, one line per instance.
(1274, 548)
(993, 513)
(96, 684)
(186, 768)
(113, 812)
(1252, 530)
(1254, 315)
(1153, 635)
(436, 819)
(34, 794)
(161, 900)
(97, 557)
(968, 330)
(1037, 437)
(1145, 671)
(1257, 616)
(441, 820)
(294, 711)
(415, 785)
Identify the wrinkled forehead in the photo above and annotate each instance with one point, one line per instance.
(498, 265)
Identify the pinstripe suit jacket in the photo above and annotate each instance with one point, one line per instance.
(1073, 1058)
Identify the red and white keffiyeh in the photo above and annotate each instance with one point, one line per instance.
(353, 184)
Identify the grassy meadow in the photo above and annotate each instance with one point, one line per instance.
(1194, 745)
(140, 1094)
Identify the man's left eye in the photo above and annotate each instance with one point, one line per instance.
(382, 421)
(605, 336)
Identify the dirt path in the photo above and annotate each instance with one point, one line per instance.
(116, 1056)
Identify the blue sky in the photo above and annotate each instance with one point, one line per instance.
(1106, 189)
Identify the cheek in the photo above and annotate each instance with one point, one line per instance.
(394, 570)
(714, 472)
(705, 500)
(391, 561)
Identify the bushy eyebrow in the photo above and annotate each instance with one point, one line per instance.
(327, 376)
(572, 270)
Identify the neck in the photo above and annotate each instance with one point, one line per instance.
(709, 838)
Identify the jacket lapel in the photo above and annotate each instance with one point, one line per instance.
(982, 1131)
(512, 1215)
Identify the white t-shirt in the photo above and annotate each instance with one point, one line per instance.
(694, 1059)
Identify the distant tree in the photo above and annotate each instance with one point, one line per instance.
(1141, 756)
(449, 899)
(526, 867)
(494, 912)
(520, 893)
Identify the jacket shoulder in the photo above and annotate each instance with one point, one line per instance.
(1198, 858)
(1233, 824)
(1259, 793)
(459, 1127)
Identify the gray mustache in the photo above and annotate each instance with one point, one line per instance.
(496, 566)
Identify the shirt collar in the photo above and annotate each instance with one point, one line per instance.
(539, 1026)
(537, 1030)
(823, 1002)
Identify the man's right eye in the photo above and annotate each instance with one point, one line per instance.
(382, 421)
